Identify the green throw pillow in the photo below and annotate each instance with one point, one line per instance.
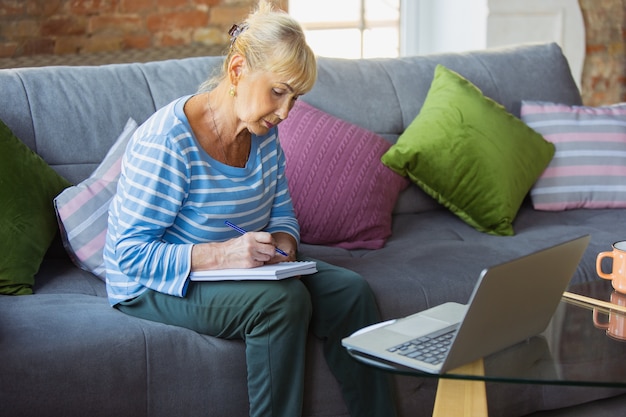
(466, 151)
(27, 219)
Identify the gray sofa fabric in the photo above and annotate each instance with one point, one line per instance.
(65, 352)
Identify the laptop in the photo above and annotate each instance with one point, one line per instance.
(511, 302)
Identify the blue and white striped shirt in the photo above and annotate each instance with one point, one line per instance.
(171, 194)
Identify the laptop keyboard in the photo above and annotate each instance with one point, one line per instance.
(429, 349)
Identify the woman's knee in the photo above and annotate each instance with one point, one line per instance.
(298, 299)
(291, 299)
(353, 287)
(359, 285)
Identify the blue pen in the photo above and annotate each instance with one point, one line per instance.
(240, 230)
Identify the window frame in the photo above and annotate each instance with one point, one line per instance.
(363, 24)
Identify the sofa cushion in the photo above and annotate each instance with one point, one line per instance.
(470, 154)
(342, 194)
(589, 167)
(27, 222)
(82, 210)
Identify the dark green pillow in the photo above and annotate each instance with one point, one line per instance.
(27, 219)
(470, 154)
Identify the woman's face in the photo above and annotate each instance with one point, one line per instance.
(263, 100)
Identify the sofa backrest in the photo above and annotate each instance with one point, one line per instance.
(72, 115)
(385, 95)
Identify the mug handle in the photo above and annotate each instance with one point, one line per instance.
(599, 259)
(596, 321)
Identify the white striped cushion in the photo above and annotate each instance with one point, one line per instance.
(589, 167)
(82, 210)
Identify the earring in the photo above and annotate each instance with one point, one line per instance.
(232, 91)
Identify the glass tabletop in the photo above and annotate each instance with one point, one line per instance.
(584, 344)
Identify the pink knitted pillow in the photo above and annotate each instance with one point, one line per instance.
(342, 193)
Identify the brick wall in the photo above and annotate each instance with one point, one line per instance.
(32, 27)
(604, 70)
(63, 27)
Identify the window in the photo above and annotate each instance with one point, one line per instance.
(350, 28)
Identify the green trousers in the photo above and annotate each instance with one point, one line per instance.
(273, 318)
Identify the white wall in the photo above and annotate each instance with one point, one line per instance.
(433, 26)
(560, 21)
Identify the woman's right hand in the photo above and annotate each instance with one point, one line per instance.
(246, 251)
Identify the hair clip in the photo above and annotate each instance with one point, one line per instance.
(235, 31)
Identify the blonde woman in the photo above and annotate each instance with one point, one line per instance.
(214, 156)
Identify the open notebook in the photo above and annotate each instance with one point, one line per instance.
(277, 271)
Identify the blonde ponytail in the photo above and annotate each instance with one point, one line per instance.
(271, 40)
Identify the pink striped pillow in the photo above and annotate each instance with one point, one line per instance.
(589, 167)
(82, 210)
(342, 193)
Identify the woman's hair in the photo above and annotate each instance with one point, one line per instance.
(271, 40)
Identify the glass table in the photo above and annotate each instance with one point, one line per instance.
(584, 345)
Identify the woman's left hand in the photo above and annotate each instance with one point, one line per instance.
(286, 243)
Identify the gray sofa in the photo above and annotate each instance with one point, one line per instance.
(64, 351)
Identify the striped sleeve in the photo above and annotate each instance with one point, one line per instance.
(151, 190)
(283, 218)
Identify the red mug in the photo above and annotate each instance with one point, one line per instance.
(618, 273)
